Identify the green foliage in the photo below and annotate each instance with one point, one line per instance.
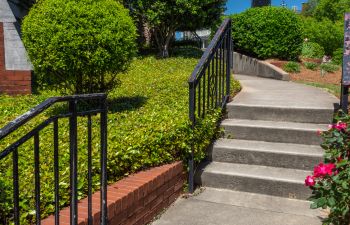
(326, 33)
(332, 191)
(310, 65)
(329, 67)
(310, 8)
(331, 9)
(312, 50)
(337, 58)
(79, 45)
(165, 17)
(268, 32)
(292, 67)
(147, 126)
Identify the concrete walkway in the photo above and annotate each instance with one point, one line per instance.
(255, 175)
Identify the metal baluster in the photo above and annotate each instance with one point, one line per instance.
(220, 75)
(89, 173)
(216, 77)
(15, 186)
(192, 104)
(228, 61)
(212, 62)
(223, 69)
(204, 88)
(73, 162)
(209, 95)
(56, 171)
(103, 159)
(199, 98)
(37, 178)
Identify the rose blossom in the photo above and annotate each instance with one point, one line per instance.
(322, 170)
(310, 181)
(339, 126)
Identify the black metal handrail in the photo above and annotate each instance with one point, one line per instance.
(72, 114)
(209, 84)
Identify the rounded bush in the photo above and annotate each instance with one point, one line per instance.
(338, 56)
(79, 44)
(292, 67)
(312, 50)
(268, 32)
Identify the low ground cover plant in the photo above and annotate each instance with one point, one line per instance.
(310, 65)
(292, 67)
(147, 126)
(329, 67)
(330, 180)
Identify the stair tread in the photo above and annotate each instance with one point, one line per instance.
(330, 108)
(257, 171)
(269, 147)
(275, 124)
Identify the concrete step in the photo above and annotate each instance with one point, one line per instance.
(285, 155)
(259, 201)
(288, 183)
(272, 131)
(224, 207)
(288, 114)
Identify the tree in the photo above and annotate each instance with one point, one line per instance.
(331, 9)
(310, 7)
(167, 16)
(80, 45)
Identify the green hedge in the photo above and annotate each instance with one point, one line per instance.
(312, 50)
(80, 45)
(147, 126)
(268, 32)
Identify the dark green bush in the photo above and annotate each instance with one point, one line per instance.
(311, 65)
(337, 58)
(80, 45)
(148, 126)
(312, 50)
(268, 32)
(329, 67)
(292, 67)
(326, 33)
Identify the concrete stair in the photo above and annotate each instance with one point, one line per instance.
(270, 141)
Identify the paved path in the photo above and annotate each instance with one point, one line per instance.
(255, 174)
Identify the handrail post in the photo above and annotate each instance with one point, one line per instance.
(228, 63)
(104, 111)
(73, 161)
(193, 122)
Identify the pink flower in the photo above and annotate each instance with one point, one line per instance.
(339, 126)
(319, 133)
(310, 181)
(322, 170)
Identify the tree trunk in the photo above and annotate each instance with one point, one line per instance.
(163, 41)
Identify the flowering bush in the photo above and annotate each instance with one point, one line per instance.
(330, 182)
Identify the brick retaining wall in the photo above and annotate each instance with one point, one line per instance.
(12, 82)
(136, 199)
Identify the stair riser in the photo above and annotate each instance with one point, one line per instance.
(265, 158)
(320, 116)
(308, 137)
(254, 185)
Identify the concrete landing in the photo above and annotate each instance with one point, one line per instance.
(225, 207)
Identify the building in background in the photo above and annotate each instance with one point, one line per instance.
(259, 3)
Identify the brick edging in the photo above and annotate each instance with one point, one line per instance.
(136, 199)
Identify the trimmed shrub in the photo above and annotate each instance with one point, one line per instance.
(312, 50)
(292, 67)
(310, 65)
(329, 67)
(326, 33)
(268, 32)
(80, 45)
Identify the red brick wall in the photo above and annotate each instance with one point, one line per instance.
(12, 82)
(134, 200)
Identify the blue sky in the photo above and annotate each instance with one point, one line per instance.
(236, 6)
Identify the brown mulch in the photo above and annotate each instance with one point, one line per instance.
(310, 75)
